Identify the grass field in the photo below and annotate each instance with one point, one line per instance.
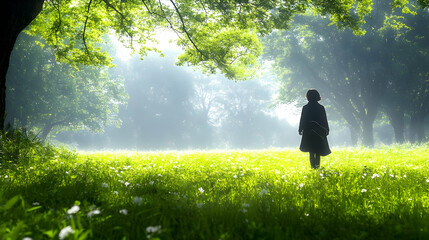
(380, 193)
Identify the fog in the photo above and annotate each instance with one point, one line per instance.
(151, 104)
(180, 108)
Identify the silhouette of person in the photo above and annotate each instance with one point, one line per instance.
(314, 128)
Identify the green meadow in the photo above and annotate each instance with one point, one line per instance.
(50, 193)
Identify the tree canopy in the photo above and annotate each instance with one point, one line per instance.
(213, 34)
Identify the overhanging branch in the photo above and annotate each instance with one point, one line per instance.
(184, 29)
(84, 29)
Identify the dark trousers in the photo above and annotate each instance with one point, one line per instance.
(314, 160)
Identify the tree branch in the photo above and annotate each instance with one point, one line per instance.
(84, 29)
(168, 20)
(184, 29)
(151, 12)
(122, 17)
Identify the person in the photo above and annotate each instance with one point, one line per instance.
(313, 126)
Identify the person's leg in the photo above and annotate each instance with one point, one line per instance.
(317, 160)
(312, 159)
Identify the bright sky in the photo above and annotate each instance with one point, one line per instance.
(288, 112)
(163, 37)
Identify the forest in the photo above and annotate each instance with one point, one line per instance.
(180, 119)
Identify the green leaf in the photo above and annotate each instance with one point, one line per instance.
(11, 202)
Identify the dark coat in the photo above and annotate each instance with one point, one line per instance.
(314, 128)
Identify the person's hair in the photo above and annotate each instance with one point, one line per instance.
(313, 95)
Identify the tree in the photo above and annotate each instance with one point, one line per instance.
(415, 84)
(44, 94)
(246, 120)
(158, 113)
(214, 34)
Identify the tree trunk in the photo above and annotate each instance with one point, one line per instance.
(397, 121)
(417, 128)
(354, 134)
(413, 129)
(367, 133)
(420, 128)
(16, 15)
(46, 130)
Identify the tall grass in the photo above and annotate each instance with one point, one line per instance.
(357, 194)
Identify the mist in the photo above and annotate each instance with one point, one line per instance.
(181, 108)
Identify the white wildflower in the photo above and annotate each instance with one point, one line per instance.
(154, 229)
(301, 185)
(263, 192)
(137, 200)
(246, 205)
(65, 232)
(36, 204)
(405, 175)
(27, 238)
(73, 210)
(151, 182)
(123, 211)
(375, 175)
(93, 213)
(104, 185)
(201, 190)
(115, 192)
(363, 190)
(427, 180)
(235, 176)
(126, 184)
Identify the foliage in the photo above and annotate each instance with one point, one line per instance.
(213, 34)
(19, 148)
(44, 94)
(358, 193)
